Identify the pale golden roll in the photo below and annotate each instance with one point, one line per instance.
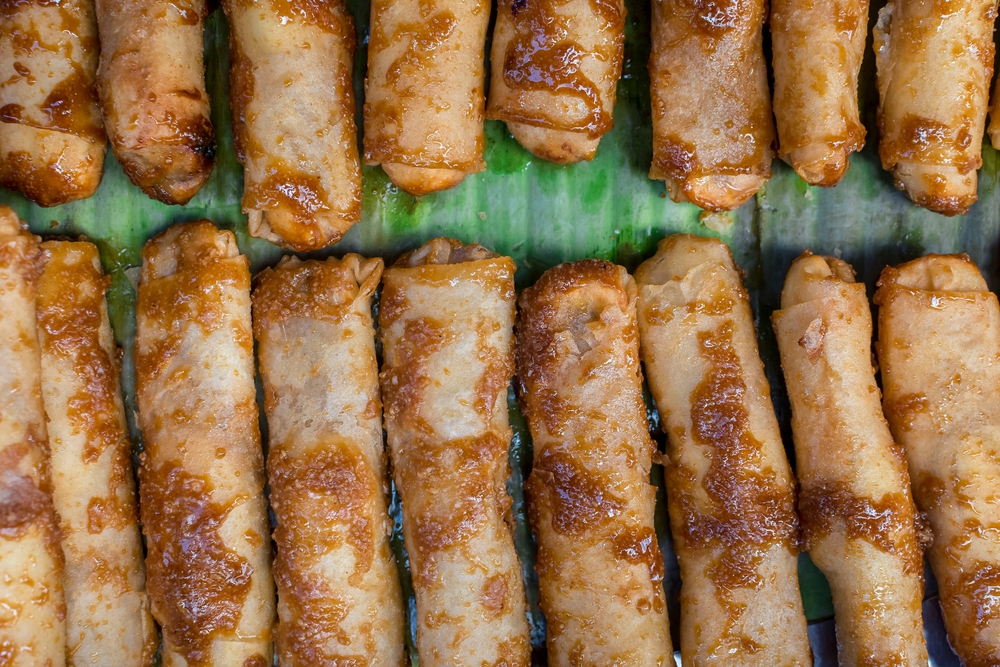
(201, 479)
(32, 611)
(555, 68)
(107, 608)
(935, 63)
(293, 119)
(858, 517)
(712, 124)
(339, 600)
(600, 570)
(939, 353)
(152, 89)
(730, 492)
(817, 48)
(52, 140)
(446, 323)
(424, 101)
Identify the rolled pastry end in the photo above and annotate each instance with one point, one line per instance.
(285, 229)
(944, 189)
(172, 174)
(556, 146)
(804, 280)
(933, 273)
(50, 168)
(714, 192)
(420, 181)
(820, 164)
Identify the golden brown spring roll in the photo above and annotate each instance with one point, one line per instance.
(201, 478)
(858, 517)
(730, 492)
(817, 48)
(339, 600)
(599, 566)
(935, 64)
(52, 140)
(424, 102)
(293, 119)
(938, 348)
(712, 124)
(446, 325)
(32, 611)
(107, 609)
(152, 89)
(556, 65)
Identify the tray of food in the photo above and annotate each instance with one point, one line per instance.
(440, 332)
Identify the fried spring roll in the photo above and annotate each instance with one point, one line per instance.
(32, 611)
(939, 351)
(599, 565)
(201, 478)
(293, 119)
(556, 65)
(817, 47)
(152, 89)
(107, 609)
(339, 600)
(934, 70)
(446, 321)
(712, 124)
(52, 140)
(424, 102)
(857, 513)
(730, 492)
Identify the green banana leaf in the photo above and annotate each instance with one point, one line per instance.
(542, 214)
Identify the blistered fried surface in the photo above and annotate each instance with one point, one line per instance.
(939, 351)
(599, 564)
(338, 589)
(730, 492)
(935, 63)
(858, 517)
(712, 124)
(152, 89)
(202, 473)
(446, 320)
(293, 118)
(817, 47)
(52, 140)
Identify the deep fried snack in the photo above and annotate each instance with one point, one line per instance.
(712, 123)
(938, 348)
(424, 100)
(817, 48)
(600, 569)
(934, 70)
(339, 600)
(446, 320)
(152, 90)
(857, 512)
(52, 140)
(32, 611)
(293, 119)
(730, 492)
(556, 64)
(201, 479)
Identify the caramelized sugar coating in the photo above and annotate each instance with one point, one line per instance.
(152, 89)
(939, 351)
(730, 492)
(446, 325)
(858, 517)
(201, 479)
(293, 119)
(52, 140)
(817, 47)
(712, 124)
(600, 569)
(339, 600)
(424, 100)
(935, 62)
(107, 608)
(556, 65)
(32, 611)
